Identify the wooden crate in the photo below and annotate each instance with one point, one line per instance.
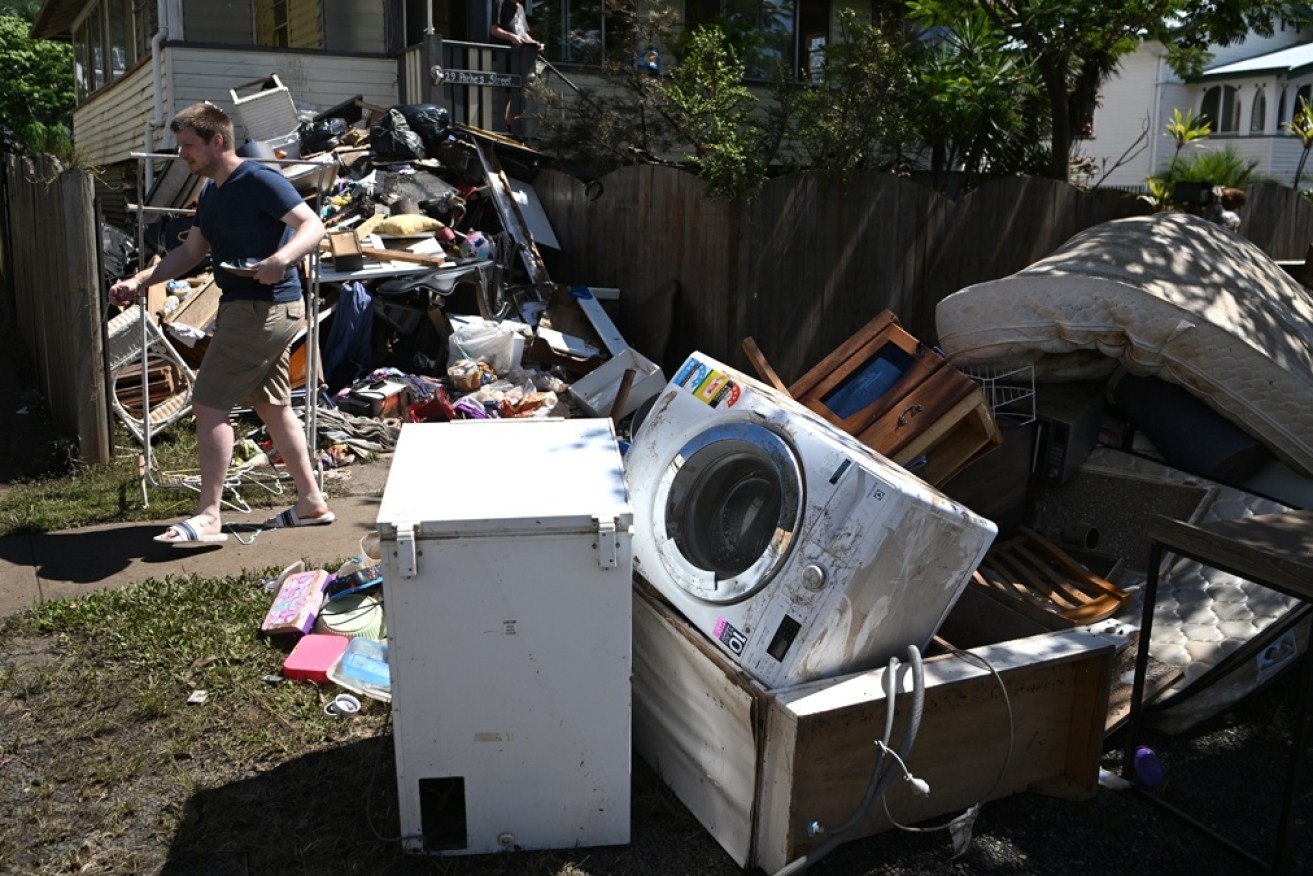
(162, 381)
(756, 766)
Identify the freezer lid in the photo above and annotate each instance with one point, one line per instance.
(504, 477)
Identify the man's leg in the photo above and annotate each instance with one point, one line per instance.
(214, 444)
(289, 439)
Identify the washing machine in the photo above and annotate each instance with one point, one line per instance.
(799, 551)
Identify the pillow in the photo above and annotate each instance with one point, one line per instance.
(407, 224)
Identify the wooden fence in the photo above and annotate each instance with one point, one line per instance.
(58, 302)
(799, 269)
(810, 261)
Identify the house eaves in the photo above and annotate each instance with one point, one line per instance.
(55, 20)
(1290, 62)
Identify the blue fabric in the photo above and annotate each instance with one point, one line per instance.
(242, 219)
(350, 336)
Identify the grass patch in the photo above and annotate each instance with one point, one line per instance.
(106, 768)
(64, 493)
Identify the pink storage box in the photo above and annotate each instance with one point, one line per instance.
(297, 603)
(313, 656)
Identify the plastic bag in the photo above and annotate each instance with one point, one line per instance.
(429, 121)
(393, 140)
(321, 135)
(483, 341)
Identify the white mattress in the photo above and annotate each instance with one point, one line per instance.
(1169, 295)
(1204, 615)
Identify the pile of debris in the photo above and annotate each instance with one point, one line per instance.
(433, 301)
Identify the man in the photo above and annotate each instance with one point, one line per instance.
(247, 215)
(510, 24)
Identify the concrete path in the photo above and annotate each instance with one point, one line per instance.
(56, 565)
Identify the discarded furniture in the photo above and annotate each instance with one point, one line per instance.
(1219, 318)
(134, 339)
(757, 766)
(1037, 574)
(1275, 550)
(901, 399)
(267, 112)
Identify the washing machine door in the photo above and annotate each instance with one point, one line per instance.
(729, 506)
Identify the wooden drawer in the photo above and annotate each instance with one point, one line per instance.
(901, 399)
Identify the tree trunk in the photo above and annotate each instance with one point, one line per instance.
(1054, 72)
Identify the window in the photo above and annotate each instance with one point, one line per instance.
(1282, 113)
(1303, 97)
(1222, 108)
(1258, 117)
(122, 50)
(765, 31)
(95, 49)
(581, 31)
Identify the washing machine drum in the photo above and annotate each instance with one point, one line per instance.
(729, 505)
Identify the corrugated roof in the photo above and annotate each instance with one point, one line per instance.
(55, 20)
(1283, 61)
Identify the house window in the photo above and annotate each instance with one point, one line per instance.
(1222, 108)
(279, 35)
(1258, 116)
(122, 48)
(1303, 97)
(581, 31)
(765, 31)
(1282, 113)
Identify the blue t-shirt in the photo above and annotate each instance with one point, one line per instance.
(243, 219)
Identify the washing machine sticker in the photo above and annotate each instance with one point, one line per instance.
(715, 388)
(727, 635)
(690, 374)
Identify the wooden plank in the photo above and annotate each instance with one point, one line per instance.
(819, 751)
(694, 725)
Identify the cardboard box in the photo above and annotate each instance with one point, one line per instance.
(757, 766)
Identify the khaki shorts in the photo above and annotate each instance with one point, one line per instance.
(246, 361)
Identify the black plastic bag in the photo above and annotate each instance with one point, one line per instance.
(321, 135)
(393, 140)
(429, 121)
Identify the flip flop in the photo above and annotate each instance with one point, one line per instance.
(289, 519)
(188, 533)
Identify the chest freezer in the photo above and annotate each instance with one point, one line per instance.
(507, 582)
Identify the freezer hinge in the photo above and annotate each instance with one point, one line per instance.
(407, 564)
(608, 549)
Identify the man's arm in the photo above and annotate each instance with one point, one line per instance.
(307, 231)
(176, 262)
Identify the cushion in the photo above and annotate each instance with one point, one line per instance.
(407, 224)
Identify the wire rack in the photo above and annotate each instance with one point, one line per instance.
(1010, 390)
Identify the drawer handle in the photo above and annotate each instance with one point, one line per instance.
(908, 414)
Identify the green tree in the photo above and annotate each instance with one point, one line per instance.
(36, 94)
(1072, 46)
(711, 109)
(976, 104)
(854, 113)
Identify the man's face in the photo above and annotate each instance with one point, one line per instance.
(202, 156)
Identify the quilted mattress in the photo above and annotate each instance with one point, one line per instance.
(1169, 295)
(1225, 635)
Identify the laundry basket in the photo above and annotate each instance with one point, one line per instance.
(125, 364)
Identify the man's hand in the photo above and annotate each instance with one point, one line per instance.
(124, 292)
(271, 270)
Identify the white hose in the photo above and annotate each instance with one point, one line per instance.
(880, 775)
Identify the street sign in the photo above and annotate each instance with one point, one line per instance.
(483, 78)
